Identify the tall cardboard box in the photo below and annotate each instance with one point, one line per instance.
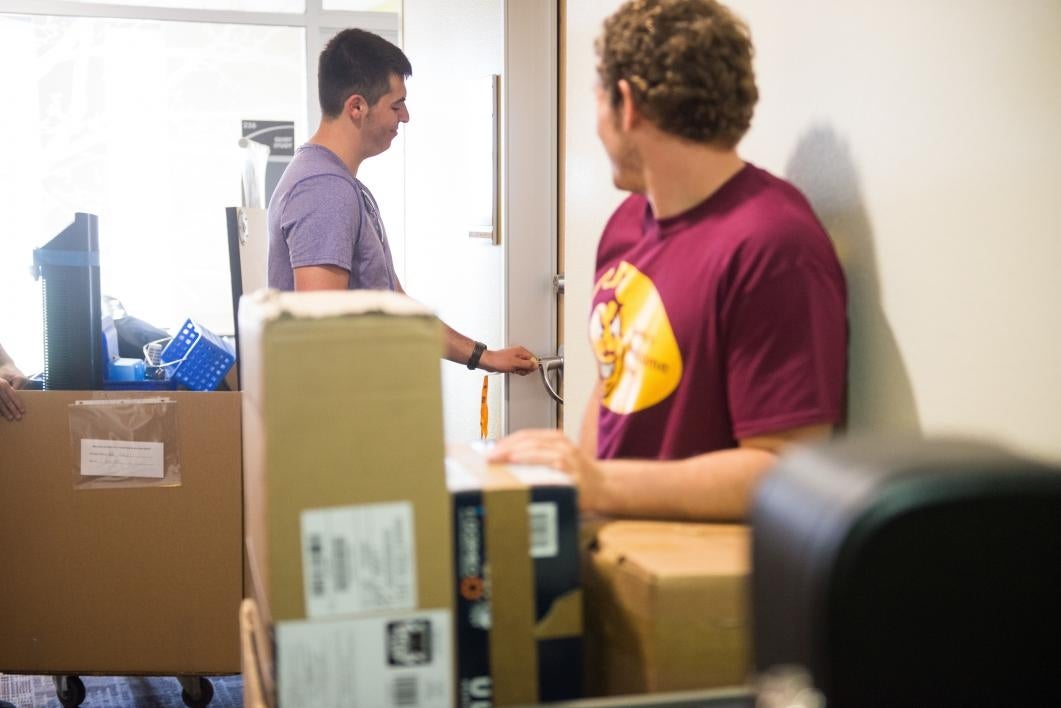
(666, 606)
(258, 689)
(518, 594)
(120, 579)
(348, 521)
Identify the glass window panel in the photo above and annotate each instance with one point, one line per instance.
(137, 122)
(363, 5)
(297, 6)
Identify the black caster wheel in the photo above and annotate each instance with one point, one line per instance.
(200, 694)
(70, 690)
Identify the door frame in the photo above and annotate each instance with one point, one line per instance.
(529, 168)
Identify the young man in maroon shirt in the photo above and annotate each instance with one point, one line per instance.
(718, 317)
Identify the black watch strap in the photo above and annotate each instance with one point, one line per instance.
(477, 352)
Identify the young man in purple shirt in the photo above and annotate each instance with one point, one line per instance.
(718, 318)
(325, 232)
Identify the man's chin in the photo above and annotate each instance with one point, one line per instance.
(626, 184)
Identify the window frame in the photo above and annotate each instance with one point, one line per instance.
(316, 22)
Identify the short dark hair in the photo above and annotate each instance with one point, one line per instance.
(357, 62)
(689, 66)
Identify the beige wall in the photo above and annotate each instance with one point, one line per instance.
(926, 134)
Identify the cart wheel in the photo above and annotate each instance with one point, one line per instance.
(201, 694)
(70, 690)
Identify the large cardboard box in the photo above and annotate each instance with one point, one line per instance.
(518, 596)
(120, 580)
(666, 607)
(348, 521)
(258, 688)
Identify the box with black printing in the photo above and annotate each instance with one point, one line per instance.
(518, 598)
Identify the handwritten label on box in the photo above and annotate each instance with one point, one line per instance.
(121, 458)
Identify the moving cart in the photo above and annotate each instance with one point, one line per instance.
(127, 580)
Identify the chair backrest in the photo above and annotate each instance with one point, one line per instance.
(911, 572)
(248, 253)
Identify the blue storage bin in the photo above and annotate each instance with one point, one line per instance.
(198, 358)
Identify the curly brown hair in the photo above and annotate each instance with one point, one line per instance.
(689, 66)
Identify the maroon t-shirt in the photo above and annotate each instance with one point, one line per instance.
(720, 323)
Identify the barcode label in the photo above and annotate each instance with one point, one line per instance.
(316, 566)
(401, 660)
(341, 554)
(358, 559)
(543, 530)
(405, 692)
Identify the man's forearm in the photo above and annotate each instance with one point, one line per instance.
(456, 347)
(716, 486)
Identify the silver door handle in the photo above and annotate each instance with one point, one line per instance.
(547, 364)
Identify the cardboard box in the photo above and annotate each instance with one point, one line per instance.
(518, 597)
(666, 607)
(258, 688)
(124, 580)
(348, 521)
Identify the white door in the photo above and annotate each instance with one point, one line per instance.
(500, 293)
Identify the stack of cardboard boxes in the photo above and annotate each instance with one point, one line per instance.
(347, 521)
(351, 529)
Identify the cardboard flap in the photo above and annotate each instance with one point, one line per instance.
(467, 469)
(667, 551)
(564, 618)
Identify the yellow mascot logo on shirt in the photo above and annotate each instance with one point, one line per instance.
(637, 355)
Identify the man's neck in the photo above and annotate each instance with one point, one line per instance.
(331, 135)
(679, 174)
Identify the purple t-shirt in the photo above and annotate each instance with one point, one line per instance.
(723, 322)
(320, 214)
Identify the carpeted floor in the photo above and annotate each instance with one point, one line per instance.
(117, 691)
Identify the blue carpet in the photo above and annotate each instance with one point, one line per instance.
(117, 691)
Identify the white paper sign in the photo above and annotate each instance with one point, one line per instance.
(398, 661)
(121, 458)
(358, 559)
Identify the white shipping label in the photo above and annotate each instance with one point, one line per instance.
(390, 662)
(544, 541)
(358, 559)
(121, 458)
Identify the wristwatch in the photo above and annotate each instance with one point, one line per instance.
(477, 352)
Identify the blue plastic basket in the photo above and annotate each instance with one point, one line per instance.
(199, 358)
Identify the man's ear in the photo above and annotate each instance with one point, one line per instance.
(355, 106)
(629, 115)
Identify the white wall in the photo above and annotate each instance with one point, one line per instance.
(450, 45)
(589, 199)
(926, 134)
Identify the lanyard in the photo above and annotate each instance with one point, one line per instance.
(373, 211)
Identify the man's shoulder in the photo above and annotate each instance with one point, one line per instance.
(770, 207)
(315, 180)
(630, 210)
(311, 163)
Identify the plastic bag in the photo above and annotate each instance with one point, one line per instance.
(125, 442)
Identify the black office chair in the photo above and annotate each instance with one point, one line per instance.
(911, 573)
